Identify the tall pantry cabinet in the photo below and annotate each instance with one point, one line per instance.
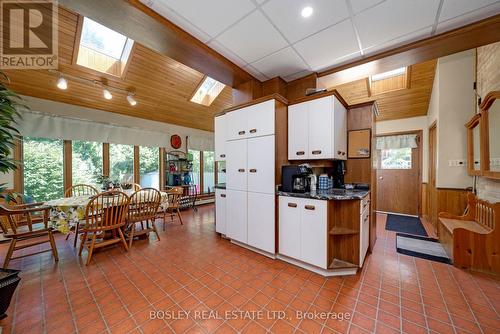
(254, 148)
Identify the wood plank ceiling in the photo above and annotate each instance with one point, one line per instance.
(163, 87)
(404, 103)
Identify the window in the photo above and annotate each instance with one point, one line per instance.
(196, 169)
(149, 167)
(103, 49)
(43, 168)
(86, 162)
(207, 91)
(389, 81)
(399, 158)
(221, 172)
(208, 171)
(121, 163)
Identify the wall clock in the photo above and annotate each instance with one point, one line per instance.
(175, 141)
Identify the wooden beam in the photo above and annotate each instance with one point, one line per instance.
(138, 22)
(162, 168)
(17, 154)
(105, 159)
(68, 164)
(137, 171)
(464, 38)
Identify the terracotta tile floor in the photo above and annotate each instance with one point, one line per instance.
(193, 270)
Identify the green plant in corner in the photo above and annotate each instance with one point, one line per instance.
(10, 104)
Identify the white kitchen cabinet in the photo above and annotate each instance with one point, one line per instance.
(317, 129)
(220, 211)
(260, 164)
(261, 119)
(220, 138)
(313, 232)
(364, 229)
(237, 124)
(236, 215)
(289, 226)
(236, 165)
(261, 221)
(298, 131)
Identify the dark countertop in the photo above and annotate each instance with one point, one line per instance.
(331, 194)
(220, 186)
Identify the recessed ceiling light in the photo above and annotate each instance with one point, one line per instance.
(62, 83)
(307, 11)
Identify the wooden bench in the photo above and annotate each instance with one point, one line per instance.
(473, 240)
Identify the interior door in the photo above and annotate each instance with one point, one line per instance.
(432, 192)
(398, 183)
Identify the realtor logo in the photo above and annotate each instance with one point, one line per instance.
(29, 34)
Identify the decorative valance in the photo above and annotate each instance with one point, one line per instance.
(396, 142)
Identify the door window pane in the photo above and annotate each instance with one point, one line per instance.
(196, 169)
(149, 167)
(395, 158)
(208, 171)
(86, 162)
(121, 163)
(43, 168)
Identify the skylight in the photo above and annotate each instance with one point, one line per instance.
(389, 81)
(389, 74)
(207, 91)
(103, 49)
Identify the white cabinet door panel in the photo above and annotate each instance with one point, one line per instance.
(298, 132)
(236, 165)
(236, 215)
(340, 132)
(321, 128)
(261, 119)
(364, 235)
(236, 124)
(220, 138)
(260, 164)
(313, 232)
(261, 221)
(220, 211)
(289, 226)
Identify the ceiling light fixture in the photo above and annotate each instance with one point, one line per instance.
(307, 11)
(131, 100)
(107, 94)
(62, 83)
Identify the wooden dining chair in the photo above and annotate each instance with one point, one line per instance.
(174, 206)
(142, 209)
(136, 187)
(106, 212)
(80, 190)
(23, 231)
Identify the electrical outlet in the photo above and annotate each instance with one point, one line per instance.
(457, 163)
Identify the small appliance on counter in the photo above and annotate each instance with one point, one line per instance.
(296, 178)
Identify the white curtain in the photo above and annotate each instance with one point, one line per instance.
(396, 142)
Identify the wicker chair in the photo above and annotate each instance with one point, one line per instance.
(80, 190)
(174, 206)
(142, 209)
(105, 212)
(21, 235)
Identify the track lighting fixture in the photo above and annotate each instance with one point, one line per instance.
(131, 100)
(107, 94)
(62, 83)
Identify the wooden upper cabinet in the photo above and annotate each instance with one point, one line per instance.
(317, 129)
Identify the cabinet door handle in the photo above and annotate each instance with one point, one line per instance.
(343, 153)
(316, 152)
(339, 152)
(222, 155)
(292, 205)
(366, 218)
(253, 170)
(241, 170)
(300, 153)
(223, 195)
(309, 207)
(241, 133)
(253, 130)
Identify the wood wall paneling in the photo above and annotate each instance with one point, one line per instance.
(246, 92)
(297, 88)
(274, 86)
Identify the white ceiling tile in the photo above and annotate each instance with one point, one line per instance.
(412, 37)
(179, 21)
(226, 53)
(469, 17)
(252, 38)
(253, 71)
(359, 5)
(211, 16)
(296, 75)
(454, 8)
(285, 14)
(328, 46)
(394, 18)
(281, 63)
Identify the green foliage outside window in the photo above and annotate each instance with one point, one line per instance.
(121, 161)
(87, 162)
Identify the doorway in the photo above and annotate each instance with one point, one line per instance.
(432, 190)
(399, 165)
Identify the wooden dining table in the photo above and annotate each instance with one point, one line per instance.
(66, 212)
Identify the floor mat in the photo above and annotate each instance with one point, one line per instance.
(405, 224)
(422, 247)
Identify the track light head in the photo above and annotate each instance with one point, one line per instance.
(62, 83)
(107, 94)
(131, 100)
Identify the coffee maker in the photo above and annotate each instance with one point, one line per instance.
(301, 180)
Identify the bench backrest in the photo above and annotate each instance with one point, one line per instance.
(483, 212)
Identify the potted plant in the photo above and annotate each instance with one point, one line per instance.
(10, 103)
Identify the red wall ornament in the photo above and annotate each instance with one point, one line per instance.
(175, 141)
